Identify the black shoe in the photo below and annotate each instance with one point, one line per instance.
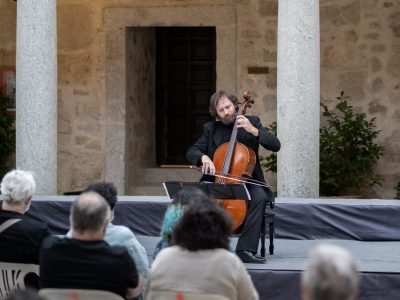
(260, 257)
(248, 257)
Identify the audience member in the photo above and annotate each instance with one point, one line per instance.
(86, 261)
(173, 214)
(27, 294)
(20, 236)
(331, 275)
(200, 262)
(117, 234)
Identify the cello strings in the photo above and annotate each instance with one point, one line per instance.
(243, 179)
(249, 180)
(234, 177)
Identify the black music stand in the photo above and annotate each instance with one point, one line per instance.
(215, 190)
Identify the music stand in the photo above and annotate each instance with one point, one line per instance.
(215, 190)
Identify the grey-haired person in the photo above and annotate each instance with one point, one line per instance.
(331, 275)
(20, 236)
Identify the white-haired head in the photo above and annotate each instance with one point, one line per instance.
(17, 186)
(331, 275)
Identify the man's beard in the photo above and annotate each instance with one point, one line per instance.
(228, 120)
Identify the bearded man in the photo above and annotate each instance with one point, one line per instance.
(251, 133)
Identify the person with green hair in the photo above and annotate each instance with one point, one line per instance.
(184, 198)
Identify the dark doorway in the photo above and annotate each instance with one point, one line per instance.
(185, 80)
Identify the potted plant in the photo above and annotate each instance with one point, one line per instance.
(348, 151)
(7, 135)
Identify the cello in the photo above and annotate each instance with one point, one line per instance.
(238, 161)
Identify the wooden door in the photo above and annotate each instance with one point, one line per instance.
(185, 80)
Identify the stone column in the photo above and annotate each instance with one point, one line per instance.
(298, 94)
(36, 92)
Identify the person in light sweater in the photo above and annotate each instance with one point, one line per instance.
(200, 262)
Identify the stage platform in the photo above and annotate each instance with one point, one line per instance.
(279, 278)
(348, 219)
(369, 229)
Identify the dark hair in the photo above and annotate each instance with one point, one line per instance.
(234, 99)
(204, 225)
(189, 195)
(215, 98)
(89, 212)
(105, 189)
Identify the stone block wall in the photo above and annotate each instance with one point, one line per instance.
(140, 104)
(360, 54)
(360, 42)
(81, 101)
(256, 47)
(8, 23)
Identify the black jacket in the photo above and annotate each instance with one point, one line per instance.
(20, 243)
(216, 133)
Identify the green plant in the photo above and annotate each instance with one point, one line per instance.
(270, 162)
(7, 135)
(347, 150)
(397, 188)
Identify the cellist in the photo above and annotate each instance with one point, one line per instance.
(251, 133)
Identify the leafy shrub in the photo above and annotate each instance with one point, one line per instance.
(348, 150)
(270, 162)
(7, 135)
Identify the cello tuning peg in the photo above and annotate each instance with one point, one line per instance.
(252, 101)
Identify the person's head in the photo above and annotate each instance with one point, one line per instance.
(27, 294)
(17, 188)
(90, 215)
(222, 107)
(189, 195)
(105, 189)
(184, 198)
(204, 225)
(331, 275)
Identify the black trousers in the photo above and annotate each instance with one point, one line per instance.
(250, 234)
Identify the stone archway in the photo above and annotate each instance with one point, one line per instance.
(116, 22)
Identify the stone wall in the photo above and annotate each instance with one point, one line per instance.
(360, 41)
(116, 20)
(140, 104)
(8, 23)
(81, 101)
(256, 44)
(360, 54)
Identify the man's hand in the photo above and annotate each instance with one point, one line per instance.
(208, 166)
(244, 123)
